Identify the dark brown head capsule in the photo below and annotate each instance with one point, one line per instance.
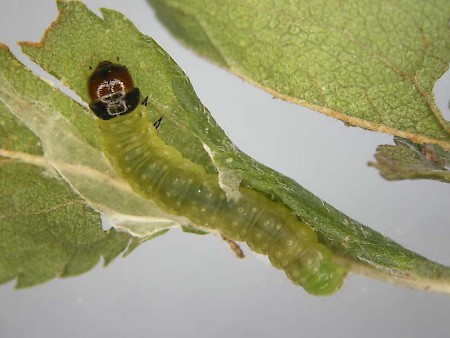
(112, 91)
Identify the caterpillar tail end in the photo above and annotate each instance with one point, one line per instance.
(317, 271)
(328, 285)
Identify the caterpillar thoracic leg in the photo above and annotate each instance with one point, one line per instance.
(157, 123)
(159, 172)
(234, 247)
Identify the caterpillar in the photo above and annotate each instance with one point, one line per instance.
(181, 187)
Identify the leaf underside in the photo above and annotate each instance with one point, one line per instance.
(369, 64)
(46, 229)
(72, 169)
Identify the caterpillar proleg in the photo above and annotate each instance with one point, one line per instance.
(158, 171)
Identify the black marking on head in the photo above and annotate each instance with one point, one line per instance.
(112, 91)
(123, 106)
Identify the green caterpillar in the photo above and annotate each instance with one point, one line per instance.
(159, 171)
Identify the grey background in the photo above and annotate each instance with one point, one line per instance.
(192, 286)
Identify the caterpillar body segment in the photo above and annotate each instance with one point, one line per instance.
(159, 172)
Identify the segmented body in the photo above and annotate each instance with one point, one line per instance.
(159, 172)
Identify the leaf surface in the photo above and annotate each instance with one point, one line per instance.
(369, 64)
(46, 229)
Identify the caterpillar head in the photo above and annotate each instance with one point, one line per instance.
(112, 91)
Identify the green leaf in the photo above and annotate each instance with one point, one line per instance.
(407, 160)
(67, 136)
(56, 180)
(369, 64)
(46, 229)
(193, 230)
